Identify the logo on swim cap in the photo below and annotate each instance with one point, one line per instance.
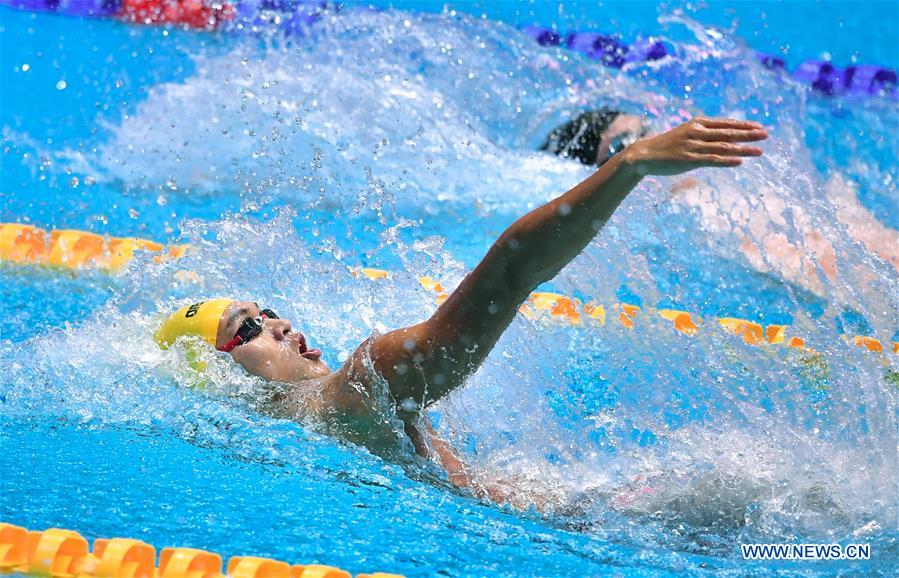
(192, 310)
(200, 319)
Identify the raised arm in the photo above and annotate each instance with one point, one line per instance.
(424, 362)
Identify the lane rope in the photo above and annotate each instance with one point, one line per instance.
(293, 18)
(59, 553)
(22, 244)
(820, 76)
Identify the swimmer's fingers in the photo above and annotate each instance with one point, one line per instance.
(725, 149)
(709, 160)
(698, 143)
(727, 124)
(729, 134)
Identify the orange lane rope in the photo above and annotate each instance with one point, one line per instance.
(61, 553)
(72, 249)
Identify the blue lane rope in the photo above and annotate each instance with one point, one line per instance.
(820, 76)
(293, 17)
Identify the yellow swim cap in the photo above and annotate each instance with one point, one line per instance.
(200, 319)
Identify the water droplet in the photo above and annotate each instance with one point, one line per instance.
(61, 85)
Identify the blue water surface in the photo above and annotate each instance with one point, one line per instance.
(405, 138)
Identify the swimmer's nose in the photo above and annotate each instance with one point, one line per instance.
(280, 328)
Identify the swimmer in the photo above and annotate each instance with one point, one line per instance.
(416, 366)
(595, 136)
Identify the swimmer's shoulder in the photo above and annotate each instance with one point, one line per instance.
(351, 404)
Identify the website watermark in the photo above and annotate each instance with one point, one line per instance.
(806, 551)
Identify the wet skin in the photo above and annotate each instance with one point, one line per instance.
(623, 124)
(423, 363)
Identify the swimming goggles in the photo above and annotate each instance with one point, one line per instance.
(249, 329)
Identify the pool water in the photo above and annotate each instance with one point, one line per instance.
(405, 139)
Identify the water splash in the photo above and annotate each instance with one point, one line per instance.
(388, 123)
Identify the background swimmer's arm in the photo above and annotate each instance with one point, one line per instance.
(424, 362)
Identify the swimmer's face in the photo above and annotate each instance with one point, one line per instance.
(278, 353)
(622, 131)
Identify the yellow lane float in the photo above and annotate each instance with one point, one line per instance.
(57, 553)
(72, 249)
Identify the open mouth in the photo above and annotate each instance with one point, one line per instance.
(310, 354)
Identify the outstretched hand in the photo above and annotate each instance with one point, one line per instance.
(701, 142)
(425, 362)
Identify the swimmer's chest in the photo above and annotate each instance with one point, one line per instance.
(376, 432)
